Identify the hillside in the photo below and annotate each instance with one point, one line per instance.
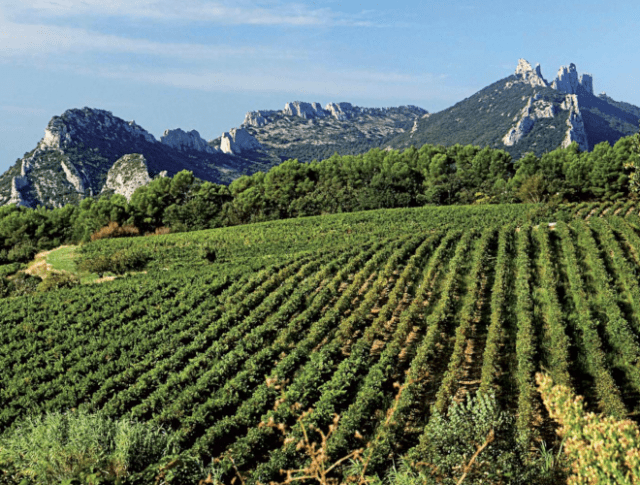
(526, 113)
(85, 152)
(380, 317)
(88, 152)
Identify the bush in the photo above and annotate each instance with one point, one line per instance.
(208, 252)
(24, 284)
(600, 449)
(130, 259)
(9, 269)
(114, 230)
(125, 260)
(56, 281)
(6, 287)
(79, 447)
(477, 428)
(22, 252)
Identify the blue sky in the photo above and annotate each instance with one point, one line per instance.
(201, 64)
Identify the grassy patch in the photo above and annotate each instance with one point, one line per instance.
(63, 259)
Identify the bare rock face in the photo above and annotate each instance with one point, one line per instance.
(127, 174)
(18, 184)
(238, 140)
(304, 110)
(527, 74)
(586, 81)
(340, 111)
(73, 176)
(568, 81)
(181, 140)
(535, 109)
(575, 124)
(257, 118)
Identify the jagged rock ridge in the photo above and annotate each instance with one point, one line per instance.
(526, 113)
(307, 131)
(79, 148)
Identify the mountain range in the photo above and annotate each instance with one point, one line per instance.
(87, 152)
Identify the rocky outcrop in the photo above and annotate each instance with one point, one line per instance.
(75, 125)
(568, 81)
(340, 111)
(181, 140)
(126, 175)
(310, 111)
(575, 124)
(586, 81)
(73, 176)
(258, 118)
(238, 140)
(528, 75)
(535, 109)
(18, 185)
(304, 110)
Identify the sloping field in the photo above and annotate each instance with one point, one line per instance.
(377, 317)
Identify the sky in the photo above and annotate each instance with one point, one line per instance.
(202, 64)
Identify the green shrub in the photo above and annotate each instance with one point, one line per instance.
(6, 287)
(600, 449)
(57, 281)
(450, 441)
(130, 259)
(208, 252)
(24, 284)
(83, 448)
(22, 252)
(9, 269)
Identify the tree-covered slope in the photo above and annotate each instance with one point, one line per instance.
(526, 113)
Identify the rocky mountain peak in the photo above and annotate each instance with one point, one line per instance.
(527, 74)
(304, 110)
(77, 125)
(181, 140)
(568, 81)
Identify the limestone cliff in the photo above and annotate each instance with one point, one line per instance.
(74, 157)
(238, 140)
(126, 175)
(184, 141)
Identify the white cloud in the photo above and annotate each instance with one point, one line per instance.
(224, 12)
(38, 40)
(304, 84)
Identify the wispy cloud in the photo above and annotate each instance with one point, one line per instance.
(224, 12)
(305, 84)
(19, 39)
(22, 110)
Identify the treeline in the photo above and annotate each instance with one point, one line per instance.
(431, 175)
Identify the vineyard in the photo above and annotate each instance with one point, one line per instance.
(380, 318)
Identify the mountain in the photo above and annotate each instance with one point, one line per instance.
(526, 113)
(307, 131)
(83, 149)
(86, 152)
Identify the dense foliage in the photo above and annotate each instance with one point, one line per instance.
(431, 175)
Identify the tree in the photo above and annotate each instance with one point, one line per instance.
(633, 164)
